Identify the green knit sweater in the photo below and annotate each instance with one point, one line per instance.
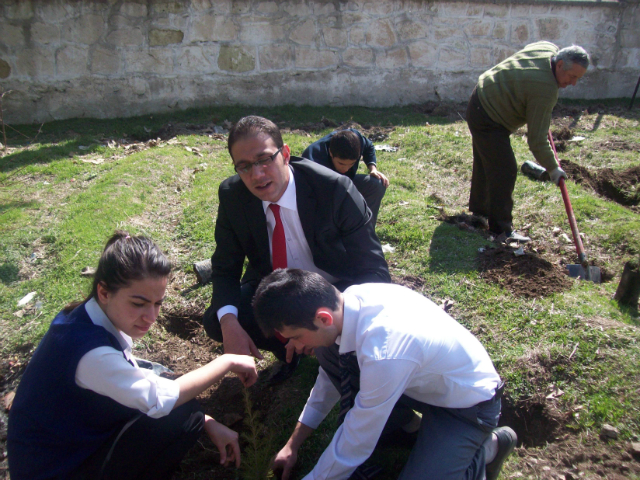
(522, 89)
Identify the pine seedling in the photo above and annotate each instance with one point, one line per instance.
(256, 460)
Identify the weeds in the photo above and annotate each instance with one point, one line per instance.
(259, 445)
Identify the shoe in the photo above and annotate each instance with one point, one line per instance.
(507, 440)
(284, 370)
(514, 237)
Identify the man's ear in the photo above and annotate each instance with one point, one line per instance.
(325, 316)
(559, 65)
(286, 153)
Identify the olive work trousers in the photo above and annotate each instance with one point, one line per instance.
(494, 168)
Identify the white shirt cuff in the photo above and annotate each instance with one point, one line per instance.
(227, 309)
(167, 393)
(311, 417)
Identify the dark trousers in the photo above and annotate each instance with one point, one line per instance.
(494, 168)
(247, 321)
(372, 189)
(450, 441)
(147, 449)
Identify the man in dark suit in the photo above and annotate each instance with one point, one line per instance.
(322, 222)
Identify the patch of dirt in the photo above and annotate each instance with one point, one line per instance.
(619, 186)
(528, 275)
(615, 144)
(409, 281)
(466, 221)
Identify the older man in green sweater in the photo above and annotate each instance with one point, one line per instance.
(523, 89)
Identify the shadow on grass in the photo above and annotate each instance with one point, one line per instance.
(43, 154)
(453, 250)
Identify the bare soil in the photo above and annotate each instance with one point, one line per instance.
(619, 186)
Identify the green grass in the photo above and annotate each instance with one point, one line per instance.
(56, 212)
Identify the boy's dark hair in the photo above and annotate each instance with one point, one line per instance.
(290, 297)
(126, 259)
(251, 126)
(345, 144)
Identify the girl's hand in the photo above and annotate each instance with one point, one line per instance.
(245, 367)
(225, 439)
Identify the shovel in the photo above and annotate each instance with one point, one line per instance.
(583, 270)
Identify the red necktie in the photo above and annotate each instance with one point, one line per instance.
(278, 242)
(278, 249)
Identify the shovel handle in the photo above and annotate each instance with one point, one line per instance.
(582, 256)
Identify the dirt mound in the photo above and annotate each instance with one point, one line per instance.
(465, 221)
(619, 186)
(563, 133)
(615, 144)
(527, 275)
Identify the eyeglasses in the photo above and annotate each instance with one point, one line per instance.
(245, 168)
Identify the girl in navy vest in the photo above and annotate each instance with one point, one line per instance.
(84, 408)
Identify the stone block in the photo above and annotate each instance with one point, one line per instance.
(71, 61)
(131, 9)
(267, 8)
(519, 11)
(380, 34)
(378, 7)
(12, 35)
(45, 33)
(105, 61)
(304, 33)
(539, 9)
(496, 11)
(54, 12)
(520, 33)
(35, 63)
(500, 30)
(423, 54)
(630, 38)
(149, 61)
(391, 59)
(276, 57)
(551, 28)
(451, 59)
(240, 6)
(480, 57)
(160, 38)
(163, 7)
(310, 58)
(410, 30)
(334, 37)
(202, 5)
(446, 33)
(501, 52)
(139, 85)
(261, 33)
(358, 57)
(87, 29)
(478, 28)
(474, 11)
(194, 60)
(5, 69)
(118, 22)
(236, 59)
(18, 9)
(454, 9)
(357, 35)
(298, 8)
(126, 37)
(216, 28)
(323, 8)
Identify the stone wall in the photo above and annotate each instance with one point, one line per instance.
(113, 58)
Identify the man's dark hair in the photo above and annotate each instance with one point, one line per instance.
(345, 144)
(251, 126)
(290, 297)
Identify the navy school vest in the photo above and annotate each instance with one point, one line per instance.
(54, 425)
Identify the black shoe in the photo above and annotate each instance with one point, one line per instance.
(507, 440)
(284, 370)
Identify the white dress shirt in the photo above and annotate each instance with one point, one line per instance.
(106, 371)
(298, 252)
(405, 344)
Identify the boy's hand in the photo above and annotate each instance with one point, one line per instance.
(245, 367)
(285, 460)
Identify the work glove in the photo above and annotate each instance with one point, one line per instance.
(556, 174)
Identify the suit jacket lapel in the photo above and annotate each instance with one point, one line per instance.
(257, 222)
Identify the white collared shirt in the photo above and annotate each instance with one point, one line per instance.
(405, 344)
(298, 252)
(106, 371)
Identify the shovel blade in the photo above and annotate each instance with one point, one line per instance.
(590, 273)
